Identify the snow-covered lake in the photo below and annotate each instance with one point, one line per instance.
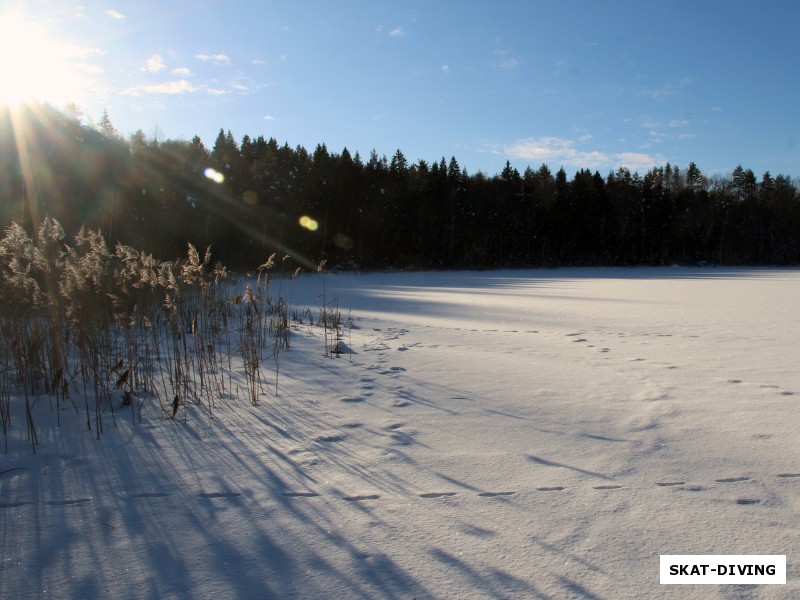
(499, 434)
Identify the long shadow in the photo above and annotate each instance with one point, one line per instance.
(491, 583)
(144, 531)
(549, 463)
(577, 589)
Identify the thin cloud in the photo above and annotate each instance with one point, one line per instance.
(184, 71)
(398, 32)
(215, 59)
(90, 69)
(509, 63)
(180, 86)
(671, 88)
(116, 15)
(503, 60)
(270, 118)
(446, 69)
(154, 64)
(567, 153)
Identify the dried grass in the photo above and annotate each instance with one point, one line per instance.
(121, 330)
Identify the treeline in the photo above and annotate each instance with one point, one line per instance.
(251, 198)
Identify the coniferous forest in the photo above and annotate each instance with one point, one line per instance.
(247, 199)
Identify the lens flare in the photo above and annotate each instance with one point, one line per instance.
(345, 242)
(214, 175)
(308, 223)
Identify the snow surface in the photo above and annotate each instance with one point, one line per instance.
(514, 434)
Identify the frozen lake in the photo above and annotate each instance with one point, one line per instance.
(499, 434)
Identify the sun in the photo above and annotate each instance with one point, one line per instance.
(34, 66)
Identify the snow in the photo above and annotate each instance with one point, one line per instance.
(508, 434)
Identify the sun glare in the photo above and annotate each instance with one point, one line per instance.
(34, 66)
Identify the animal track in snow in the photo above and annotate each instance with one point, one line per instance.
(744, 501)
(362, 498)
(353, 399)
(331, 439)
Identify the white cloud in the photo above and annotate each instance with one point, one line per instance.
(565, 152)
(217, 91)
(216, 59)
(269, 118)
(676, 123)
(116, 15)
(398, 32)
(542, 149)
(184, 71)
(636, 161)
(154, 64)
(258, 61)
(180, 86)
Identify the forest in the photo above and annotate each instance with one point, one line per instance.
(248, 199)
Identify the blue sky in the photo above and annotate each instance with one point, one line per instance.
(570, 83)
